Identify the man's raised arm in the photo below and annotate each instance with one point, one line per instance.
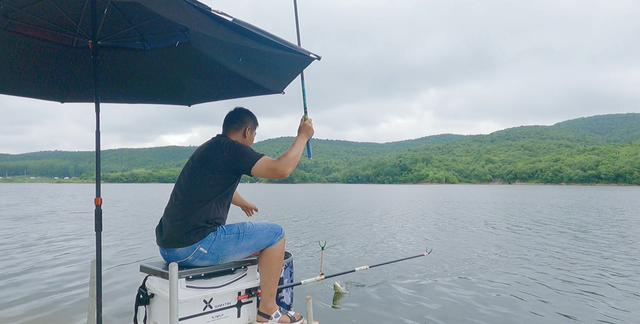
(283, 166)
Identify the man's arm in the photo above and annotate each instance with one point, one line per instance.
(247, 207)
(283, 166)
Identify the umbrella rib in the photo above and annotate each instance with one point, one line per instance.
(21, 10)
(84, 10)
(147, 34)
(124, 30)
(70, 34)
(51, 31)
(132, 27)
(78, 28)
(104, 16)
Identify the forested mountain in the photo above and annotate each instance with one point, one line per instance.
(74, 164)
(335, 149)
(598, 149)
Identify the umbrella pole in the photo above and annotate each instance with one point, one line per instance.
(304, 93)
(95, 59)
(98, 221)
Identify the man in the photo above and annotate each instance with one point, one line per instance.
(193, 229)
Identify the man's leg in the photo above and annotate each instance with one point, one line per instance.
(233, 242)
(270, 265)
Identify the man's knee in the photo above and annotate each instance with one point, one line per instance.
(278, 233)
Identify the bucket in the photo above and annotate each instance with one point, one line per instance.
(284, 298)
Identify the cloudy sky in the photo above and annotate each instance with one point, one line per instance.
(391, 70)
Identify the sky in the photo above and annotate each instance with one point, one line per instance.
(390, 71)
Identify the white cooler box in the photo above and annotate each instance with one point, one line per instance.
(224, 293)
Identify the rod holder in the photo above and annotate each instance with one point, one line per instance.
(173, 293)
(91, 314)
(309, 311)
(322, 256)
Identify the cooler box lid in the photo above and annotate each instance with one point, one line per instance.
(161, 269)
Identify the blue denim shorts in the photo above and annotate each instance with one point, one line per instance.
(228, 243)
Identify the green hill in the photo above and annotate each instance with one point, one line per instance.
(598, 149)
(336, 149)
(74, 164)
(619, 128)
(596, 130)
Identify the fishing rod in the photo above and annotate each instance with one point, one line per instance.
(304, 93)
(366, 267)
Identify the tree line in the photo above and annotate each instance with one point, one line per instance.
(600, 149)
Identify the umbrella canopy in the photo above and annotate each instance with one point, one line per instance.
(178, 52)
(158, 52)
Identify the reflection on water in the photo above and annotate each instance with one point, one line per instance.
(502, 254)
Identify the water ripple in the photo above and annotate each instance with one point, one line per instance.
(502, 254)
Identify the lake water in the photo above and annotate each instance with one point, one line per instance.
(501, 254)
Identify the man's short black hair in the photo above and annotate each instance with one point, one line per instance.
(237, 119)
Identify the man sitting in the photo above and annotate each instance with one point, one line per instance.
(193, 229)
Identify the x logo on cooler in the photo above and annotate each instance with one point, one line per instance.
(207, 304)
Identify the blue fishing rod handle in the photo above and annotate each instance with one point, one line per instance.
(306, 116)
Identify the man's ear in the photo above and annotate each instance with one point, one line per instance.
(247, 132)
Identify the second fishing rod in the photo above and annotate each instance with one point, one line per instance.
(365, 267)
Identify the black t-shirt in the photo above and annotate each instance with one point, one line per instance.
(202, 195)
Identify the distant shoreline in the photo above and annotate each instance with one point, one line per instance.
(75, 181)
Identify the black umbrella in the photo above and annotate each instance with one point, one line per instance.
(178, 52)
